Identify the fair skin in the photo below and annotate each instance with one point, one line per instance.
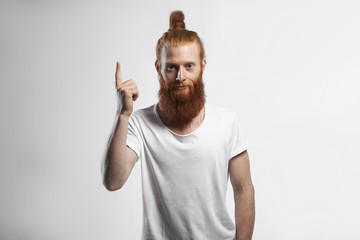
(181, 65)
(119, 158)
(239, 171)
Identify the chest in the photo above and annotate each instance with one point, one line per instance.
(205, 151)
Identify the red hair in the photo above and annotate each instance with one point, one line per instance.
(177, 35)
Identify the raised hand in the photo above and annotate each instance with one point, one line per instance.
(127, 92)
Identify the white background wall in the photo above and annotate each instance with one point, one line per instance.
(289, 68)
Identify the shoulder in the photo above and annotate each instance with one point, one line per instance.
(144, 116)
(144, 112)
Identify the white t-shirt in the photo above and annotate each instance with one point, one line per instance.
(184, 177)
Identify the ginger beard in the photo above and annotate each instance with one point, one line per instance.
(181, 106)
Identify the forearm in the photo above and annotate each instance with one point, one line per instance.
(244, 213)
(116, 168)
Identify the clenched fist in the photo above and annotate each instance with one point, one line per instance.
(127, 92)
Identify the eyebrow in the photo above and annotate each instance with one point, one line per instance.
(185, 63)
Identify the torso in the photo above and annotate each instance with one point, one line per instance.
(185, 176)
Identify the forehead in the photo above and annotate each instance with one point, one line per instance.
(182, 52)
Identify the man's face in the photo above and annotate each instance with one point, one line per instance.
(180, 67)
(181, 91)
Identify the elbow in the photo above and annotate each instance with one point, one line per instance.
(250, 190)
(247, 189)
(111, 182)
(112, 186)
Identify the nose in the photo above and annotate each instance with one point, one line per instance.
(180, 76)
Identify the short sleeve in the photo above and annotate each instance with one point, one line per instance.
(238, 142)
(133, 139)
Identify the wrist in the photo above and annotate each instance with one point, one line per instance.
(124, 116)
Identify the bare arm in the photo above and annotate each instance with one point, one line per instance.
(120, 159)
(239, 170)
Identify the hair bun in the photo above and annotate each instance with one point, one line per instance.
(177, 20)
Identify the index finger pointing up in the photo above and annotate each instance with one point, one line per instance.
(118, 75)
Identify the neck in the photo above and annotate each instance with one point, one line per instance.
(182, 128)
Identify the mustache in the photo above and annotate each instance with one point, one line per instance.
(176, 85)
(169, 85)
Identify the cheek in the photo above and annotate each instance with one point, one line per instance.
(168, 76)
(195, 73)
(195, 76)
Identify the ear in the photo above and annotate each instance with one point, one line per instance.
(157, 66)
(203, 64)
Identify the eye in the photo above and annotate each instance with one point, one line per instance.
(189, 66)
(170, 68)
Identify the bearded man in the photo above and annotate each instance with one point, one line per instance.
(188, 149)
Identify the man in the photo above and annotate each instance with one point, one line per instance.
(187, 149)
